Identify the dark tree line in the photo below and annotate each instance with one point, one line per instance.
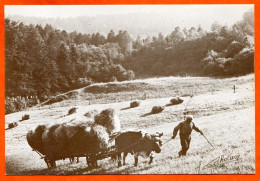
(45, 61)
(223, 51)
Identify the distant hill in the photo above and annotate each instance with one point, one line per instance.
(141, 24)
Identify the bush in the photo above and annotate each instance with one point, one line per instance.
(9, 106)
(135, 104)
(157, 109)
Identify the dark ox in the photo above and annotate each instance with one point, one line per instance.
(137, 143)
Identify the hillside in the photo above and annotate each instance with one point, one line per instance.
(226, 118)
(46, 61)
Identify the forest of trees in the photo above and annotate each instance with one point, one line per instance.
(43, 61)
(223, 51)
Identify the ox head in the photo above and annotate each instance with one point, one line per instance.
(154, 143)
(157, 137)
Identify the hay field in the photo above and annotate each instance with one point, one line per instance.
(226, 118)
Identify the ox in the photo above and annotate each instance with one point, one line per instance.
(137, 143)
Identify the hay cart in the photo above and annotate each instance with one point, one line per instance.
(91, 157)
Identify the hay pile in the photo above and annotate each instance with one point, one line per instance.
(25, 117)
(109, 120)
(176, 100)
(157, 109)
(72, 110)
(135, 104)
(12, 125)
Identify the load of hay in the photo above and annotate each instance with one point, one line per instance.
(34, 138)
(176, 100)
(72, 110)
(101, 138)
(70, 139)
(91, 114)
(79, 136)
(109, 120)
(135, 104)
(157, 109)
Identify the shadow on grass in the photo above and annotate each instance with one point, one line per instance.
(146, 114)
(171, 104)
(167, 105)
(62, 116)
(60, 171)
(125, 108)
(10, 128)
(127, 169)
(100, 170)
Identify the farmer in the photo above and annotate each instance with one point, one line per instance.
(185, 128)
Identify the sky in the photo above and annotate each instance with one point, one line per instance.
(226, 14)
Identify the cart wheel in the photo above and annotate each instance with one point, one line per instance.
(53, 164)
(50, 163)
(89, 162)
(47, 162)
(92, 163)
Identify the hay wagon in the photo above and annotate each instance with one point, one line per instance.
(91, 157)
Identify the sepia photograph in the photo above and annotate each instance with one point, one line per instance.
(129, 89)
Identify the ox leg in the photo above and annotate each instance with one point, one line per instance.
(50, 163)
(53, 164)
(94, 161)
(120, 155)
(125, 154)
(47, 162)
(71, 159)
(136, 160)
(151, 158)
(89, 163)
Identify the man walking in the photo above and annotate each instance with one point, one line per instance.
(185, 129)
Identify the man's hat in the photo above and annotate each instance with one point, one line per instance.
(189, 117)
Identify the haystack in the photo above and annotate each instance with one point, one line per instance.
(109, 120)
(26, 117)
(157, 109)
(135, 104)
(72, 110)
(12, 125)
(176, 100)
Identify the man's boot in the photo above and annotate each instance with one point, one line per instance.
(180, 153)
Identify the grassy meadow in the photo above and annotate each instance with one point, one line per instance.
(226, 118)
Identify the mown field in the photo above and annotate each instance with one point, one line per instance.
(226, 118)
